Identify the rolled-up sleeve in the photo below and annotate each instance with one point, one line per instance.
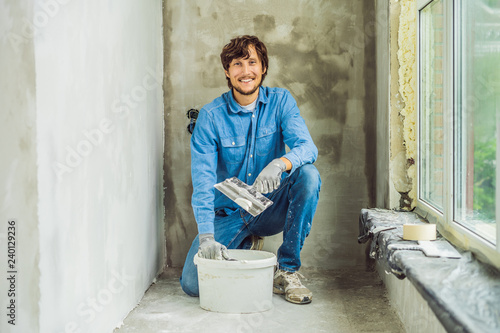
(296, 135)
(203, 171)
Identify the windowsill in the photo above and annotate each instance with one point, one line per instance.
(462, 237)
(463, 293)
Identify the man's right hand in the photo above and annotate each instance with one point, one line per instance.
(210, 249)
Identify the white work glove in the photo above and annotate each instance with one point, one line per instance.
(270, 177)
(210, 249)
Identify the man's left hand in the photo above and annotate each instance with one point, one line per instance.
(270, 177)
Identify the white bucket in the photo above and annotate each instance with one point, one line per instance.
(241, 286)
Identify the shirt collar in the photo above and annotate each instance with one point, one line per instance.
(235, 107)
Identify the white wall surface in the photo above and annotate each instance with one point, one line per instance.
(97, 152)
(18, 176)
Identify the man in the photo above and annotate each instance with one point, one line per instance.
(243, 133)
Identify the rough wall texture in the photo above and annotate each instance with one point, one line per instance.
(407, 42)
(396, 47)
(400, 183)
(402, 113)
(324, 53)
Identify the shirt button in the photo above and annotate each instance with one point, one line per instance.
(233, 143)
(253, 116)
(251, 155)
(249, 174)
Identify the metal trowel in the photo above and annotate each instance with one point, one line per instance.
(244, 195)
(439, 248)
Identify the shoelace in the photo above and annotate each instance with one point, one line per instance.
(293, 279)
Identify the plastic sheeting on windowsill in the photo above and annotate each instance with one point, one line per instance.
(463, 293)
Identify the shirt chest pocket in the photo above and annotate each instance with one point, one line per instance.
(233, 149)
(266, 138)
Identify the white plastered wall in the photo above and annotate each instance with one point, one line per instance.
(86, 158)
(18, 190)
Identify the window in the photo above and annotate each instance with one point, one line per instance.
(459, 120)
(431, 105)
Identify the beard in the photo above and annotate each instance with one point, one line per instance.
(247, 93)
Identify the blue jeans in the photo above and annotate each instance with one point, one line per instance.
(292, 212)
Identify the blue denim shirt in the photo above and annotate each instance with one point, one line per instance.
(229, 141)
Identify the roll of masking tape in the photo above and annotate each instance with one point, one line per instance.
(419, 231)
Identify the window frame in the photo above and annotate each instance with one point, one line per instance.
(451, 230)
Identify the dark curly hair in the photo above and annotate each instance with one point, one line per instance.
(238, 48)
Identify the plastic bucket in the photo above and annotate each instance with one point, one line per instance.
(241, 286)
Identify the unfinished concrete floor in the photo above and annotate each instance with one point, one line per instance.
(346, 300)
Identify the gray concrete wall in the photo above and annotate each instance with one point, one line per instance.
(324, 53)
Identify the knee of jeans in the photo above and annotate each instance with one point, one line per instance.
(311, 176)
(191, 289)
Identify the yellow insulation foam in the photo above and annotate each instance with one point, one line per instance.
(407, 42)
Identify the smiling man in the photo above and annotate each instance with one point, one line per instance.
(245, 76)
(243, 134)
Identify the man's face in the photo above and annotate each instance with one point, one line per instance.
(246, 74)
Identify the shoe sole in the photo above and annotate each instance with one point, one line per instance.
(305, 300)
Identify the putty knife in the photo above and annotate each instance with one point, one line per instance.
(439, 248)
(244, 195)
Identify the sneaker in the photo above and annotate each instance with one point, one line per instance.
(288, 283)
(257, 243)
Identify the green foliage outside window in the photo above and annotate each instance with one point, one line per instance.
(484, 179)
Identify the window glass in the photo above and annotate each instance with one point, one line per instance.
(476, 118)
(431, 105)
